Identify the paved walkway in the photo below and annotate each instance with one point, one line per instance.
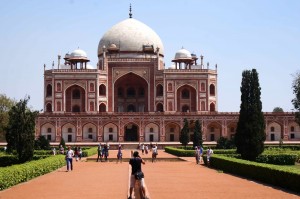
(164, 179)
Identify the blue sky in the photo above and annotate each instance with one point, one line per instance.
(237, 35)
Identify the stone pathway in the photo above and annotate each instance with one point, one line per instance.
(164, 180)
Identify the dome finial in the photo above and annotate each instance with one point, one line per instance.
(130, 14)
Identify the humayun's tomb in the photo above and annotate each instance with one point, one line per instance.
(131, 97)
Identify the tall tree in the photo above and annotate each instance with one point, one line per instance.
(184, 134)
(250, 133)
(20, 130)
(5, 105)
(296, 100)
(197, 134)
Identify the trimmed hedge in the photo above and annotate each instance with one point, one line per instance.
(190, 153)
(10, 176)
(278, 159)
(89, 151)
(283, 176)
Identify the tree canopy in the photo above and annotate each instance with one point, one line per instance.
(197, 134)
(184, 134)
(20, 130)
(296, 100)
(250, 133)
(277, 110)
(5, 105)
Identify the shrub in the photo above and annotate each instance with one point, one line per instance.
(42, 143)
(286, 177)
(10, 176)
(279, 159)
(224, 143)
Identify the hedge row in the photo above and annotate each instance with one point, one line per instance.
(278, 159)
(8, 160)
(90, 152)
(189, 153)
(10, 176)
(283, 176)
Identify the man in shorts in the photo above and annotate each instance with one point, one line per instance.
(136, 165)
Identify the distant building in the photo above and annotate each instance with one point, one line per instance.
(131, 96)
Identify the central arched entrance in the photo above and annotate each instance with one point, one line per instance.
(131, 133)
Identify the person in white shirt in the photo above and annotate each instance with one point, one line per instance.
(209, 153)
(154, 153)
(69, 159)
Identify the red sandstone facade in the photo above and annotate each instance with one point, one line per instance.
(131, 96)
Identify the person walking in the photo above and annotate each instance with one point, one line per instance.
(197, 154)
(76, 153)
(209, 153)
(69, 159)
(99, 153)
(119, 155)
(143, 148)
(154, 153)
(80, 153)
(201, 155)
(136, 167)
(105, 152)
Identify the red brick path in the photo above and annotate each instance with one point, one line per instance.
(164, 180)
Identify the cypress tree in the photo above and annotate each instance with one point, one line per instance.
(250, 133)
(197, 134)
(20, 130)
(184, 134)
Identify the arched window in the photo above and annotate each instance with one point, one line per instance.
(185, 108)
(48, 107)
(185, 94)
(76, 109)
(92, 87)
(151, 130)
(76, 94)
(292, 129)
(102, 108)
(69, 130)
(212, 90)
(272, 129)
(49, 130)
(159, 90)
(212, 107)
(130, 108)
(49, 90)
(232, 129)
(159, 107)
(202, 86)
(102, 90)
(212, 129)
(58, 86)
(90, 130)
(120, 92)
(130, 92)
(141, 92)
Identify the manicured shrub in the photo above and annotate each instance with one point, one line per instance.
(12, 175)
(283, 176)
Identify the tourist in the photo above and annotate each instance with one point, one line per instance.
(69, 159)
(53, 151)
(154, 153)
(136, 167)
(119, 155)
(61, 149)
(146, 149)
(197, 154)
(99, 153)
(105, 152)
(143, 148)
(80, 153)
(209, 153)
(201, 155)
(76, 153)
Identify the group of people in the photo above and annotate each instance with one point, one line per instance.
(103, 152)
(145, 150)
(199, 154)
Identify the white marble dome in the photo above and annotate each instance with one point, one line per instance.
(78, 53)
(183, 54)
(129, 36)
